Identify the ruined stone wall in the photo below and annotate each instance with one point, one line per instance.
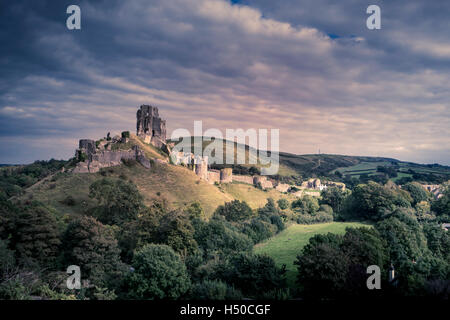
(213, 176)
(282, 187)
(243, 179)
(339, 185)
(98, 159)
(262, 180)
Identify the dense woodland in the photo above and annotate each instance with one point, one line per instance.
(129, 250)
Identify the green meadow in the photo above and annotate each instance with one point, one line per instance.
(285, 246)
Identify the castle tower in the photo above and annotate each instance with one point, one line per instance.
(150, 127)
(226, 175)
(201, 167)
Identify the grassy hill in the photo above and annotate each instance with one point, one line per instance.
(285, 246)
(255, 197)
(178, 185)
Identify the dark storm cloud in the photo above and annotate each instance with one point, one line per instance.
(262, 64)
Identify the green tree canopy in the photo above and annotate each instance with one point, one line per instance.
(373, 201)
(416, 191)
(118, 200)
(283, 204)
(158, 273)
(253, 274)
(235, 210)
(176, 230)
(334, 197)
(442, 205)
(220, 236)
(92, 246)
(306, 205)
(36, 235)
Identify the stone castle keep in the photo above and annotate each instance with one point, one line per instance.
(150, 127)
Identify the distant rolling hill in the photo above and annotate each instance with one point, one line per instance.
(326, 165)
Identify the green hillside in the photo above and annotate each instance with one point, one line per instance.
(178, 185)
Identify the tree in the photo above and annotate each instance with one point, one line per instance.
(259, 230)
(36, 235)
(195, 210)
(334, 197)
(404, 235)
(92, 246)
(408, 251)
(8, 212)
(438, 241)
(372, 201)
(442, 205)
(219, 236)
(306, 205)
(176, 230)
(363, 247)
(417, 192)
(333, 265)
(7, 260)
(210, 290)
(235, 210)
(283, 204)
(253, 274)
(322, 266)
(118, 200)
(141, 231)
(158, 273)
(269, 208)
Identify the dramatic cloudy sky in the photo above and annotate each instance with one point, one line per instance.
(308, 67)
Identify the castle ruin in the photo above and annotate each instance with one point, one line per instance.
(93, 156)
(150, 127)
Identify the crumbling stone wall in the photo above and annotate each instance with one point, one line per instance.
(213, 176)
(282, 187)
(243, 179)
(97, 159)
(263, 182)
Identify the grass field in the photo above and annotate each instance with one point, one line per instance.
(363, 167)
(371, 167)
(286, 245)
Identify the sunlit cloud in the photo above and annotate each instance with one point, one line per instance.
(253, 65)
